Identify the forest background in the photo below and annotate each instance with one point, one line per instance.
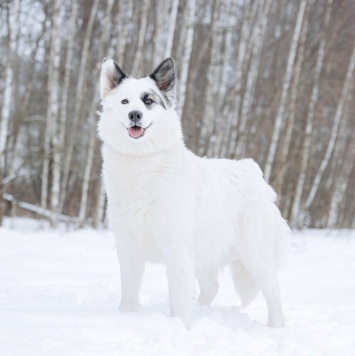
(267, 79)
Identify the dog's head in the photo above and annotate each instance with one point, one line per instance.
(139, 115)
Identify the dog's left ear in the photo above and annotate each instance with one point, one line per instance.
(111, 76)
(165, 78)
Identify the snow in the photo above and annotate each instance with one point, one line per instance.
(59, 293)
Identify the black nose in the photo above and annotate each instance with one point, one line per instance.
(135, 116)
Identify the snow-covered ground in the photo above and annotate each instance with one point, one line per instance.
(59, 293)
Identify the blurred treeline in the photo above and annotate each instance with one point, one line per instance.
(268, 79)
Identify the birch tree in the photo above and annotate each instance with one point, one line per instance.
(230, 130)
(92, 122)
(334, 132)
(341, 186)
(142, 31)
(286, 84)
(78, 99)
(65, 93)
(186, 56)
(171, 28)
(295, 85)
(7, 98)
(258, 40)
(53, 111)
(122, 36)
(306, 145)
(212, 80)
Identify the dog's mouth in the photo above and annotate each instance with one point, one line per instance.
(137, 131)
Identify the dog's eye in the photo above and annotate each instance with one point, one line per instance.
(148, 102)
(124, 101)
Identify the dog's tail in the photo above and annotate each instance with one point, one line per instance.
(282, 240)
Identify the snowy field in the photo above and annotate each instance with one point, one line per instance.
(59, 293)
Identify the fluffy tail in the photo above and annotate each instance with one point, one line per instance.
(282, 240)
(244, 283)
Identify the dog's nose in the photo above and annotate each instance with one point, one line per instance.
(135, 116)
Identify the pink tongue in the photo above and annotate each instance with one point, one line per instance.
(135, 131)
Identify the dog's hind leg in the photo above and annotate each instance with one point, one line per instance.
(259, 226)
(208, 281)
(271, 291)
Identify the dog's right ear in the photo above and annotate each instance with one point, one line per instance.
(111, 76)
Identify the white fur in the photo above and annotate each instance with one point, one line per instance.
(193, 214)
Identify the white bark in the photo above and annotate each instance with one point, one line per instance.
(212, 81)
(78, 97)
(51, 117)
(258, 41)
(187, 50)
(7, 97)
(231, 15)
(142, 32)
(230, 131)
(123, 33)
(53, 110)
(100, 208)
(162, 8)
(171, 28)
(65, 89)
(334, 132)
(296, 81)
(230, 8)
(87, 171)
(341, 186)
(92, 122)
(281, 111)
(306, 146)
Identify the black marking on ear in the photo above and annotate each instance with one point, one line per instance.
(165, 78)
(119, 75)
(111, 76)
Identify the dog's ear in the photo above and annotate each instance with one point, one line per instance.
(165, 78)
(111, 76)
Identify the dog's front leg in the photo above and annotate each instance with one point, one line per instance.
(132, 267)
(180, 272)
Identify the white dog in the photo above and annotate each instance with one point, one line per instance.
(167, 205)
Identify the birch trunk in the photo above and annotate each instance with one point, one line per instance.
(306, 145)
(258, 41)
(123, 34)
(53, 111)
(230, 132)
(92, 122)
(65, 90)
(186, 56)
(171, 28)
(162, 9)
(100, 209)
(281, 111)
(340, 189)
(78, 99)
(222, 102)
(295, 86)
(7, 99)
(334, 132)
(142, 32)
(212, 80)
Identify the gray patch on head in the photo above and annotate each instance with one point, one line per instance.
(153, 95)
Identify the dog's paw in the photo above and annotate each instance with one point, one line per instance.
(128, 307)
